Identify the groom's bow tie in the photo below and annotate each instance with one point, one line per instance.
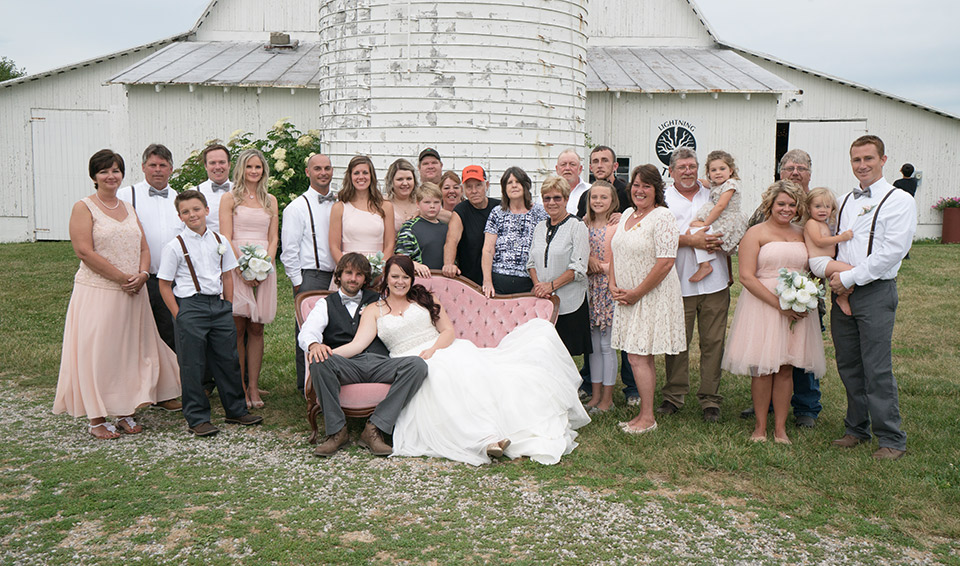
(858, 192)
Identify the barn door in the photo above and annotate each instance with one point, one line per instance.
(63, 141)
(828, 144)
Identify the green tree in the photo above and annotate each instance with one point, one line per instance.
(9, 70)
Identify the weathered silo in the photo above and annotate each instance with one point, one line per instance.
(496, 82)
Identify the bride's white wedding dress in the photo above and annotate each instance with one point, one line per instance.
(524, 390)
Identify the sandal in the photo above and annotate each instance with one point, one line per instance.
(111, 430)
(128, 426)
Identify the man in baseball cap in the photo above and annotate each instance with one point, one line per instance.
(464, 245)
(431, 167)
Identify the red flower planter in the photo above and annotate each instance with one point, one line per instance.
(951, 226)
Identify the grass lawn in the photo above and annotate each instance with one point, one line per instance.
(689, 493)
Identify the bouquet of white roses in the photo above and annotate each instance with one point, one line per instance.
(376, 264)
(254, 262)
(798, 291)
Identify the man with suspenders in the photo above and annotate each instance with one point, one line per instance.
(305, 240)
(884, 220)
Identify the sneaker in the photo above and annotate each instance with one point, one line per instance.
(204, 429)
(667, 408)
(333, 443)
(633, 401)
(171, 405)
(245, 420)
(372, 439)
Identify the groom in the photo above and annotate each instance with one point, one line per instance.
(333, 322)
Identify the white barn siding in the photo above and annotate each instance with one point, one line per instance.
(745, 128)
(487, 82)
(184, 120)
(929, 141)
(641, 23)
(240, 20)
(77, 90)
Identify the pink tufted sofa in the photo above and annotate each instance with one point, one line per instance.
(476, 318)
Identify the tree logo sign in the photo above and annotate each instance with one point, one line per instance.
(674, 134)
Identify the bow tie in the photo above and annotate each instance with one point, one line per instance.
(858, 192)
(161, 193)
(223, 187)
(329, 197)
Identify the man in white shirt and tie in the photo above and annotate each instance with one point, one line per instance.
(884, 220)
(216, 160)
(153, 199)
(305, 240)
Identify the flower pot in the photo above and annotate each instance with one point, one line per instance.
(951, 226)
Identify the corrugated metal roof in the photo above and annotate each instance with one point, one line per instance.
(227, 63)
(678, 70)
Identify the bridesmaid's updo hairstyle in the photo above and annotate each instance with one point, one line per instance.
(650, 175)
(104, 159)
(788, 188)
(417, 293)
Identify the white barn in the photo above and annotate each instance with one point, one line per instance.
(484, 82)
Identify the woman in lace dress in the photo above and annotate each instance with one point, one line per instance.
(648, 314)
(462, 412)
(248, 215)
(113, 360)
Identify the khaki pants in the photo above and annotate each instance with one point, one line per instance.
(709, 312)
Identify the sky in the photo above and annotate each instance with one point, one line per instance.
(908, 49)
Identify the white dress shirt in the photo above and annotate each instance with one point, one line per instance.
(575, 194)
(213, 202)
(159, 218)
(896, 225)
(205, 256)
(685, 211)
(297, 239)
(316, 323)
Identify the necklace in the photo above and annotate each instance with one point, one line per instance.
(114, 207)
(638, 215)
(249, 196)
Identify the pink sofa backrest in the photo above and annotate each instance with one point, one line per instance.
(475, 318)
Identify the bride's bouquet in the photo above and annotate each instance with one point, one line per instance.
(798, 291)
(254, 262)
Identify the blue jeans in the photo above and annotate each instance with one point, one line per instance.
(806, 394)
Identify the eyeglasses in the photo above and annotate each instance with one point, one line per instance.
(555, 198)
(797, 168)
(686, 167)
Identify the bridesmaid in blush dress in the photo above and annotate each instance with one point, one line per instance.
(767, 342)
(248, 215)
(113, 360)
(362, 221)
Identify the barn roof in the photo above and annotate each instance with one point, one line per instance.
(226, 63)
(678, 70)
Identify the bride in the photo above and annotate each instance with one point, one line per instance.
(518, 399)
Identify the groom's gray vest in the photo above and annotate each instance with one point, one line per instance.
(341, 327)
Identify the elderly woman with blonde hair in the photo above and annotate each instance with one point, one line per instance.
(557, 263)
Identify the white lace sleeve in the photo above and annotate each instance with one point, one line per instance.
(665, 233)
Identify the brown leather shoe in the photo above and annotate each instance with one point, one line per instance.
(848, 441)
(886, 453)
(204, 429)
(666, 408)
(332, 443)
(372, 439)
(171, 405)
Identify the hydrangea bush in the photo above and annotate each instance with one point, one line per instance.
(286, 148)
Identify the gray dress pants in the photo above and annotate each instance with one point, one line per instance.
(405, 374)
